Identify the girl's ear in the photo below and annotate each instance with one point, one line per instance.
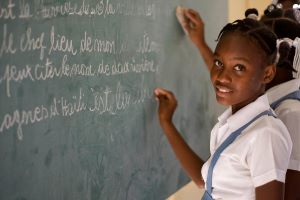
(270, 72)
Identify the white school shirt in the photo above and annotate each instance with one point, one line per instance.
(289, 113)
(259, 155)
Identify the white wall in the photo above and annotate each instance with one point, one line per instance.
(237, 8)
(188, 192)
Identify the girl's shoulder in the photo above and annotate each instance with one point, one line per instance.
(268, 129)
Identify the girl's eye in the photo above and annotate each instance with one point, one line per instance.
(239, 67)
(218, 63)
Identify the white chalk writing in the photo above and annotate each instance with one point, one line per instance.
(60, 43)
(108, 101)
(29, 43)
(7, 43)
(103, 8)
(88, 44)
(6, 11)
(34, 55)
(24, 10)
(48, 71)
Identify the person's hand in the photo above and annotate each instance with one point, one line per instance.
(194, 26)
(167, 104)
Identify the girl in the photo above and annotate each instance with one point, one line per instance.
(252, 165)
(287, 82)
(284, 23)
(284, 97)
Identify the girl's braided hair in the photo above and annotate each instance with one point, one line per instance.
(257, 32)
(285, 24)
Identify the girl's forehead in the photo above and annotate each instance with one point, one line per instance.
(237, 41)
(237, 45)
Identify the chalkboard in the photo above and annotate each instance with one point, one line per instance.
(78, 118)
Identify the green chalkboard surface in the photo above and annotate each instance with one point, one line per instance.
(78, 118)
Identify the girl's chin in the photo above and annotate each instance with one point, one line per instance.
(223, 101)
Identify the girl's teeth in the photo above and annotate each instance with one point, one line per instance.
(223, 90)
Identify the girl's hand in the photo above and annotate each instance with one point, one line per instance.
(194, 27)
(167, 104)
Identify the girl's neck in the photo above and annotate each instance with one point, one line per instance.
(237, 107)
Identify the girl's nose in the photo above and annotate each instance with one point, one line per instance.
(223, 76)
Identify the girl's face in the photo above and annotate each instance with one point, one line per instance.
(239, 73)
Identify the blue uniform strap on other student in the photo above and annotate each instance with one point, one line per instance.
(293, 95)
(220, 149)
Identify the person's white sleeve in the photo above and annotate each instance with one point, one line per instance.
(269, 155)
(292, 121)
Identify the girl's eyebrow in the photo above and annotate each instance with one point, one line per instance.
(241, 59)
(237, 58)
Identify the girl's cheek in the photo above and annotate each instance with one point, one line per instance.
(213, 75)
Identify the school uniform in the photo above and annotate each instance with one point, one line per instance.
(257, 156)
(289, 112)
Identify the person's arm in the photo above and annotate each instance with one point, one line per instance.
(292, 183)
(273, 190)
(268, 157)
(290, 117)
(195, 29)
(189, 160)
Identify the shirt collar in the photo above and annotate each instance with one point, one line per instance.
(245, 114)
(283, 89)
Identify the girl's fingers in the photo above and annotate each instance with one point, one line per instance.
(162, 93)
(193, 17)
(192, 11)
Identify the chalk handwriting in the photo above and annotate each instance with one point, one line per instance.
(142, 92)
(67, 8)
(58, 107)
(88, 44)
(75, 69)
(144, 66)
(130, 8)
(103, 69)
(6, 11)
(146, 45)
(109, 101)
(58, 55)
(103, 102)
(48, 70)
(29, 43)
(68, 108)
(24, 10)
(120, 68)
(102, 8)
(23, 117)
(7, 43)
(60, 43)
(11, 73)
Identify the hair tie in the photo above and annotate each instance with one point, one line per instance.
(277, 5)
(296, 62)
(252, 16)
(296, 6)
(251, 13)
(297, 14)
(272, 7)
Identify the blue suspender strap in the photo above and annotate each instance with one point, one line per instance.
(293, 95)
(221, 148)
